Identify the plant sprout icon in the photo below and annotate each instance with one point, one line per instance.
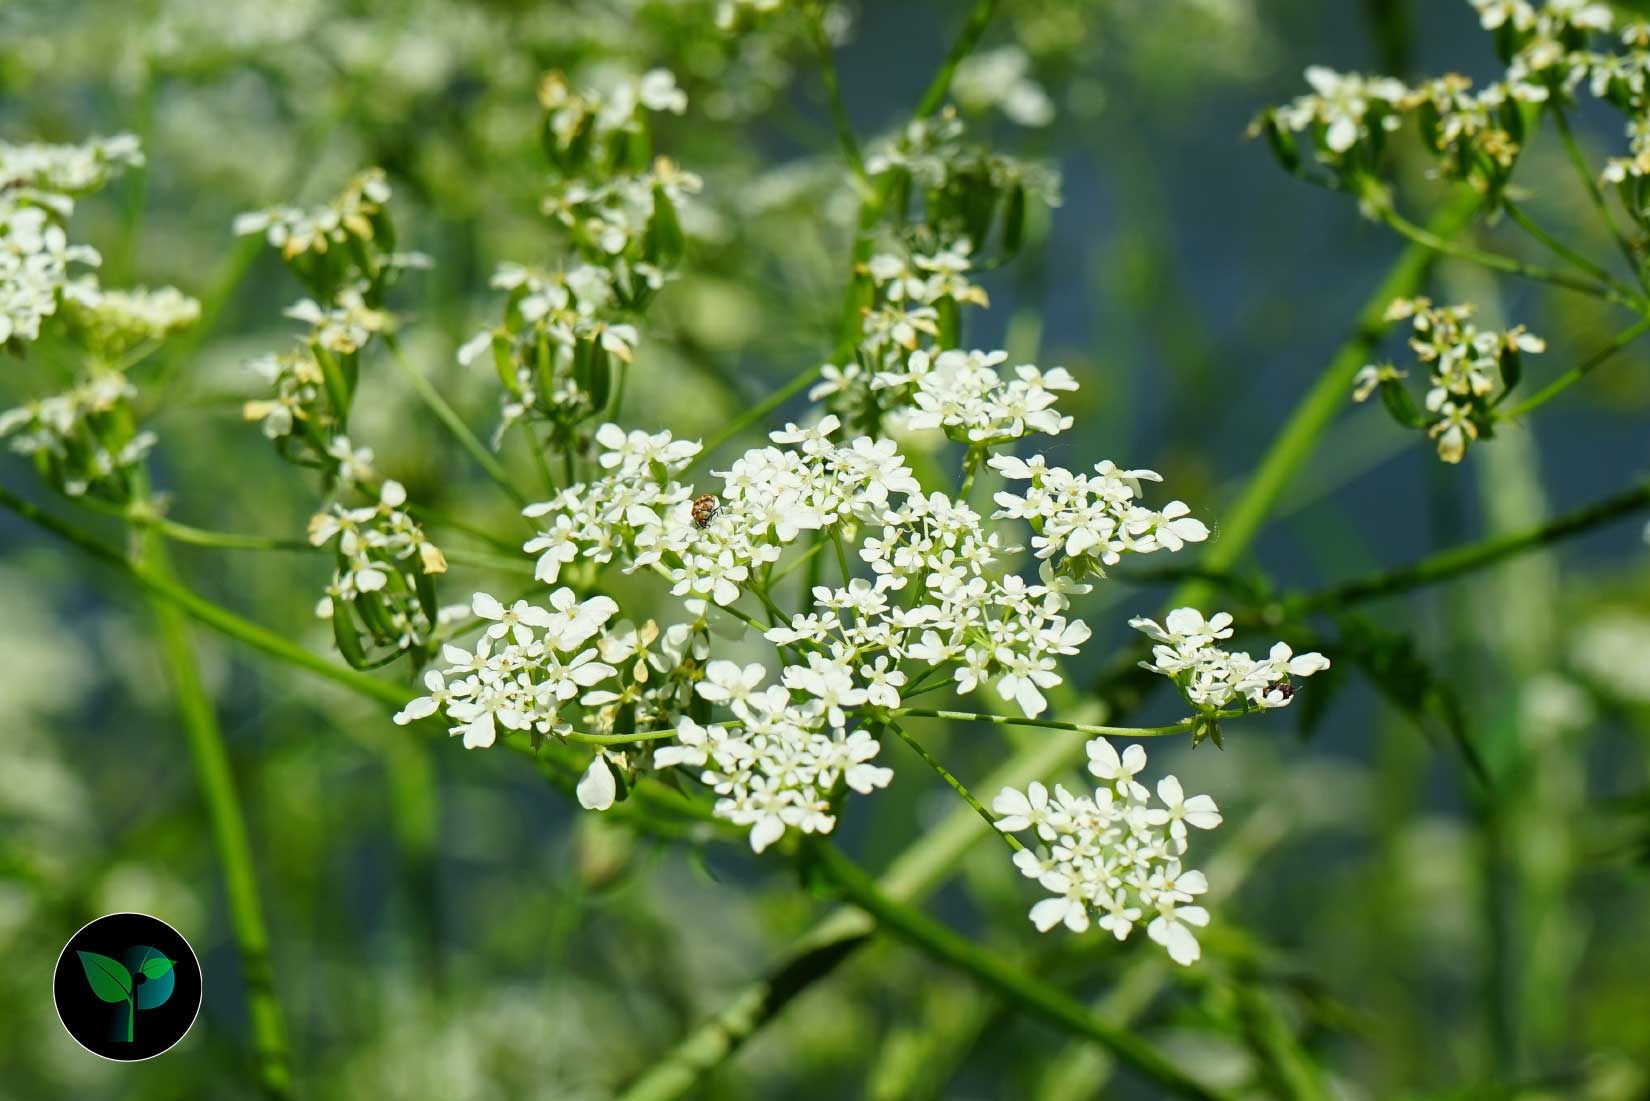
(141, 978)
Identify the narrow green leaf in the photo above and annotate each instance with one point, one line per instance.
(109, 978)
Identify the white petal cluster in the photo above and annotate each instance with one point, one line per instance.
(1001, 78)
(965, 396)
(1211, 678)
(112, 322)
(769, 496)
(375, 544)
(38, 187)
(1086, 522)
(779, 764)
(355, 214)
(529, 665)
(1344, 109)
(1469, 367)
(563, 330)
(83, 440)
(1114, 858)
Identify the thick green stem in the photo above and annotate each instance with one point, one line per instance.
(1312, 415)
(229, 836)
(1009, 979)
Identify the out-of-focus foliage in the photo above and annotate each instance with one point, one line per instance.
(446, 926)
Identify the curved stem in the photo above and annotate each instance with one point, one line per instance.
(1009, 979)
(1563, 251)
(1499, 262)
(227, 821)
(978, 19)
(1576, 374)
(1584, 171)
(756, 413)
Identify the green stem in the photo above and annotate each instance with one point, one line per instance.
(1459, 560)
(757, 412)
(1588, 181)
(1499, 262)
(427, 392)
(956, 784)
(1059, 724)
(229, 835)
(1007, 979)
(938, 88)
(1577, 373)
(833, 92)
(1564, 251)
(1312, 415)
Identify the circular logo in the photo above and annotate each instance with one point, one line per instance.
(127, 987)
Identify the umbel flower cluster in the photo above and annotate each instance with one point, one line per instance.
(382, 600)
(1470, 371)
(1114, 857)
(816, 584)
(566, 333)
(84, 442)
(910, 588)
(1551, 53)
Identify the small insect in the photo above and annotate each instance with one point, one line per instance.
(1286, 689)
(704, 510)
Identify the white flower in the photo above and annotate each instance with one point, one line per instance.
(597, 788)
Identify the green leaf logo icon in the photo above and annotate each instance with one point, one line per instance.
(109, 978)
(144, 981)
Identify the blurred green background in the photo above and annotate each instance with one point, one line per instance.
(446, 926)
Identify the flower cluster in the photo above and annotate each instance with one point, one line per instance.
(382, 588)
(1114, 857)
(1086, 523)
(38, 188)
(83, 441)
(112, 323)
(564, 330)
(86, 440)
(530, 664)
(1210, 678)
(341, 252)
(347, 244)
(1471, 370)
(1001, 78)
(780, 764)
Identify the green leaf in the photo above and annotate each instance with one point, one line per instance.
(1512, 369)
(1396, 398)
(109, 978)
(156, 967)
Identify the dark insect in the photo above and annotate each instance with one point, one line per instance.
(704, 509)
(1286, 689)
